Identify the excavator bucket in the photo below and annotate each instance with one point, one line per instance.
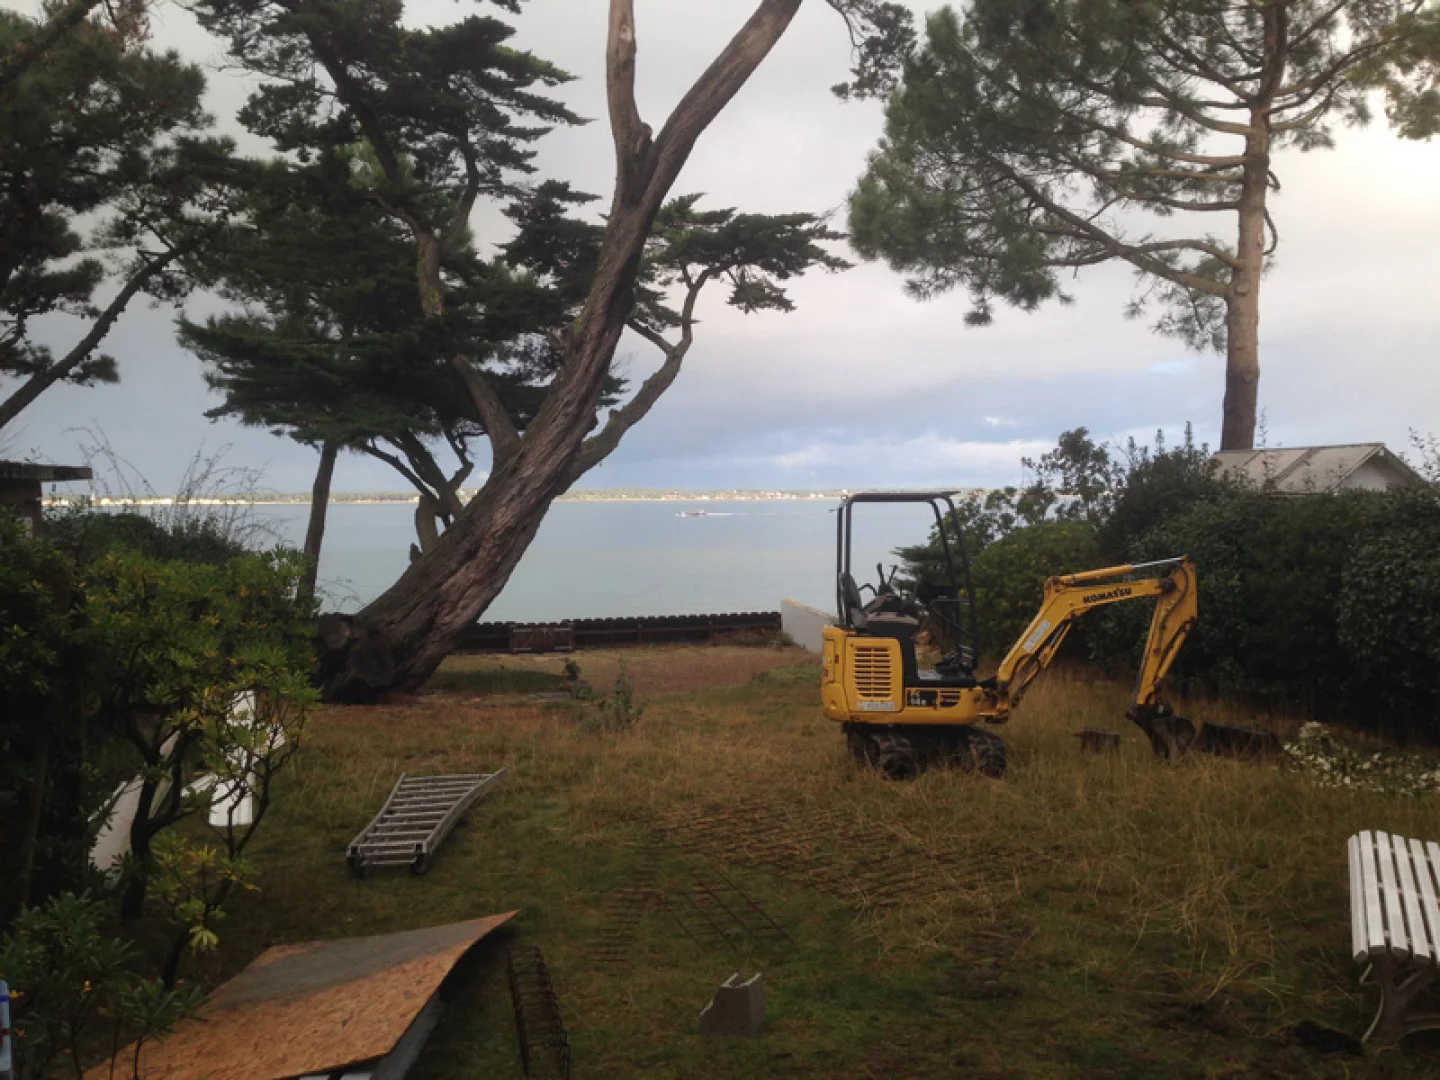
(1170, 735)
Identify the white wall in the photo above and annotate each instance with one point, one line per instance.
(805, 625)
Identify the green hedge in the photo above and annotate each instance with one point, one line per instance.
(1010, 576)
(1326, 603)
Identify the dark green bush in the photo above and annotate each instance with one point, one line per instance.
(1010, 576)
(1326, 603)
(1389, 626)
(117, 665)
(42, 819)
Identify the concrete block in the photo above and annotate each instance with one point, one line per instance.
(805, 625)
(736, 1009)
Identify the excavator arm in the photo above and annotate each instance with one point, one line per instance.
(1070, 596)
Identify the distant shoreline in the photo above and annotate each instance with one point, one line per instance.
(388, 499)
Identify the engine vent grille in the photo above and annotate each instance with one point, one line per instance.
(872, 672)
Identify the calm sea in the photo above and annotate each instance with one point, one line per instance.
(594, 559)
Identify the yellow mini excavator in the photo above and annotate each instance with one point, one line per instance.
(899, 717)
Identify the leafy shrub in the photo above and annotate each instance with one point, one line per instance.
(93, 533)
(172, 648)
(69, 982)
(1388, 618)
(123, 665)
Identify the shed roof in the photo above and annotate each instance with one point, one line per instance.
(1302, 470)
(29, 472)
(310, 1008)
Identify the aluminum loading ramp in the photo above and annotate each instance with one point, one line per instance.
(415, 820)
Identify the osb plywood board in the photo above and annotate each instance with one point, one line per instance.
(310, 1008)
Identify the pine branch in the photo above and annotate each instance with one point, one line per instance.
(425, 465)
(1189, 176)
(1174, 154)
(399, 466)
(1200, 68)
(24, 55)
(1305, 119)
(465, 204)
(1156, 199)
(1139, 255)
(651, 335)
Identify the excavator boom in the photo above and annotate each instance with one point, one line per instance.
(1069, 596)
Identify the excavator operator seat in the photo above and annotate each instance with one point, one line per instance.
(854, 613)
(876, 620)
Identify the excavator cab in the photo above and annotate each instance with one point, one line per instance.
(888, 614)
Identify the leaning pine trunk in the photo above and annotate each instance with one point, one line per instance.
(315, 533)
(398, 641)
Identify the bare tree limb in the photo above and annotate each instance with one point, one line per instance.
(41, 381)
(653, 336)
(714, 89)
(399, 466)
(599, 446)
(501, 430)
(629, 133)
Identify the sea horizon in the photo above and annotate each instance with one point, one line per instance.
(385, 498)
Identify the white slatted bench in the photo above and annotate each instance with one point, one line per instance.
(1395, 926)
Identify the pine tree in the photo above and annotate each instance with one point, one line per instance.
(102, 165)
(1032, 139)
(332, 350)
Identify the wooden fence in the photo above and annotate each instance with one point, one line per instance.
(741, 628)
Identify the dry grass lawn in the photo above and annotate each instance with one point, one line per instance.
(1083, 917)
(654, 671)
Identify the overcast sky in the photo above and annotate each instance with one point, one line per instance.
(862, 386)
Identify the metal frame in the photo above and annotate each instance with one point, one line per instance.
(539, 1028)
(415, 820)
(844, 532)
